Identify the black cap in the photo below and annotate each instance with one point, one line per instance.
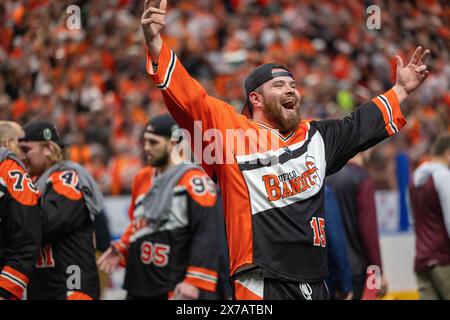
(258, 77)
(42, 131)
(162, 125)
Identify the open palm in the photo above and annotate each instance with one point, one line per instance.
(415, 72)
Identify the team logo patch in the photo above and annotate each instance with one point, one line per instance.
(47, 134)
(297, 176)
(291, 183)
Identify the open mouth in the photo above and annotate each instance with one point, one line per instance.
(289, 104)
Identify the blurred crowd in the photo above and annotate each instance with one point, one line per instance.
(92, 82)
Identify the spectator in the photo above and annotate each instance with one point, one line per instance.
(355, 193)
(339, 280)
(430, 201)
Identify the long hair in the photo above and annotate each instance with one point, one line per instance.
(58, 153)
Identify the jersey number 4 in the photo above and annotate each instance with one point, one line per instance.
(318, 226)
(156, 253)
(69, 179)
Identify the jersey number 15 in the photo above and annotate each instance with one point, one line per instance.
(318, 226)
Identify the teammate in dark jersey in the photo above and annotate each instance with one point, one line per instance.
(171, 248)
(20, 221)
(65, 267)
(273, 187)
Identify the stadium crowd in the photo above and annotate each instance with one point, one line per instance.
(92, 82)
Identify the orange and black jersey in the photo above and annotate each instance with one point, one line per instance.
(20, 225)
(65, 267)
(184, 248)
(273, 209)
(139, 187)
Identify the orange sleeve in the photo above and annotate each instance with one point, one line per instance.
(187, 101)
(123, 244)
(19, 184)
(184, 95)
(124, 241)
(389, 106)
(133, 199)
(200, 187)
(65, 183)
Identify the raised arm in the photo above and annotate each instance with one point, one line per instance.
(375, 120)
(153, 21)
(185, 97)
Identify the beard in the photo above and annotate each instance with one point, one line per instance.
(160, 161)
(274, 112)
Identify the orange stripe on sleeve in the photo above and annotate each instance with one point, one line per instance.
(385, 114)
(399, 119)
(389, 106)
(201, 284)
(16, 274)
(208, 272)
(202, 278)
(13, 281)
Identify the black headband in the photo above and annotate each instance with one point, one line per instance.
(258, 77)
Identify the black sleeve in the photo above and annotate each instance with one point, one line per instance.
(61, 215)
(204, 256)
(22, 236)
(102, 234)
(365, 127)
(224, 285)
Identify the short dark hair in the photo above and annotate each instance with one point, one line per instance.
(441, 145)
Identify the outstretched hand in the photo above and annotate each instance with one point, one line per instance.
(153, 21)
(109, 260)
(410, 77)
